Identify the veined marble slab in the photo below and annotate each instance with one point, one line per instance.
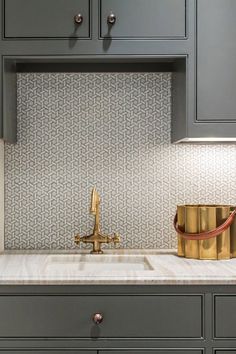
(165, 268)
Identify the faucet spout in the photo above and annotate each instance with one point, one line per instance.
(95, 209)
(96, 238)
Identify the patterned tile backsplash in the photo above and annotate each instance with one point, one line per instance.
(112, 131)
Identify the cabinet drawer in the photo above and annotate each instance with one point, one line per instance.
(223, 351)
(124, 316)
(225, 316)
(46, 18)
(173, 351)
(36, 351)
(149, 18)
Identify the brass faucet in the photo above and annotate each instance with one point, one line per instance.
(96, 238)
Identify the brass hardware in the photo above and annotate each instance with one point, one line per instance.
(195, 219)
(181, 223)
(207, 221)
(223, 241)
(97, 318)
(191, 225)
(96, 238)
(111, 19)
(233, 237)
(78, 19)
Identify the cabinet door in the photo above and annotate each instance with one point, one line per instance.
(140, 19)
(216, 62)
(225, 316)
(46, 18)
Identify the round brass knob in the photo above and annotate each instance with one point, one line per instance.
(111, 19)
(78, 19)
(97, 318)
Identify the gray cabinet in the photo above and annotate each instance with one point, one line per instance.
(216, 74)
(225, 351)
(225, 316)
(173, 351)
(124, 316)
(137, 319)
(195, 39)
(61, 351)
(46, 18)
(140, 19)
(211, 77)
(216, 61)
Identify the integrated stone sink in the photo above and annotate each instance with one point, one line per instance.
(97, 263)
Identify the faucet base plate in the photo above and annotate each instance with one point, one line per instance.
(97, 252)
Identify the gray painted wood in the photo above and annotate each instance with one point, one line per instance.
(46, 18)
(206, 345)
(58, 351)
(231, 351)
(156, 351)
(168, 316)
(9, 101)
(149, 18)
(179, 99)
(1, 100)
(216, 61)
(225, 316)
(194, 114)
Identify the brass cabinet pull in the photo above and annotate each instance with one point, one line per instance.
(78, 19)
(97, 318)
(111, 19)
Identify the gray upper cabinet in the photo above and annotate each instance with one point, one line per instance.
(143, 19)
(210, 77)
(47, 18)
(216, 61)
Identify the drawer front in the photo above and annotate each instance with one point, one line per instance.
(225, 316)
(223, 351)
(173, 351)
(46, 18)
(4, 351)
(144, 19)
(172, 316)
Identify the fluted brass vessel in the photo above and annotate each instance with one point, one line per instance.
(195, 219)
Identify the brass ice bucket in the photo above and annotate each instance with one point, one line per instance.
(206, 231)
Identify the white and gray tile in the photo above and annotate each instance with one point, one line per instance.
(111, 130)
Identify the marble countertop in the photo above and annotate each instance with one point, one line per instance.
(166, 268)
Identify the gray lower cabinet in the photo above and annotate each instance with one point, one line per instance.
(174, 351)
(133, 319)
(124, 316)
(225, 316)
(58, 351)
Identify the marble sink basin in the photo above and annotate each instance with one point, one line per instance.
(97, 263)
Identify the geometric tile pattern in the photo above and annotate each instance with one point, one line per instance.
(112, 131)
